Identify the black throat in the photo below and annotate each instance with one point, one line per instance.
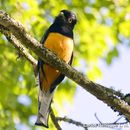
(62, 29)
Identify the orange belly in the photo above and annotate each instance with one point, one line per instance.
(62, 46)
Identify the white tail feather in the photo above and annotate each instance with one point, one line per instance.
(44, 107)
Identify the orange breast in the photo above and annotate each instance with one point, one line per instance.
(62, 46)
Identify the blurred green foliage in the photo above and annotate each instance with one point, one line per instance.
(102, 26)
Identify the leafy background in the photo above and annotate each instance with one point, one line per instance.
(102, 26)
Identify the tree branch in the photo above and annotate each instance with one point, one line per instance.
(101, 92)
(54, 120)
(18, 45)
(71, 121)
(86, 126)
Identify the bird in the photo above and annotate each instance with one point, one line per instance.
(60, 40)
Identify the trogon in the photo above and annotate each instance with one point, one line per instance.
(58, 39)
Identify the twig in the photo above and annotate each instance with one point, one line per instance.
(71, 121)
(86, 126)
(97, 118)
(113, 123)
(118, 119)
(54, 120)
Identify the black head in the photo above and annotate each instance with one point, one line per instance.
(66, 18)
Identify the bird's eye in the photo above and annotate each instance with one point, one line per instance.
(70, 20)
(61, 13)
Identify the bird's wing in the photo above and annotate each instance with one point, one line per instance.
(40, 61)
(60, 77)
